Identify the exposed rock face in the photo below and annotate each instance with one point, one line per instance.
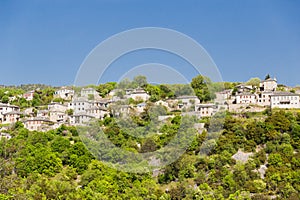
(241, 156)
(262, 171)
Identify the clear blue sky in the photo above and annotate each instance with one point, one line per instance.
(45, 41)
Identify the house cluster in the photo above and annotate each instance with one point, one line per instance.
(79, 109)
(266, 95)
(9, 113)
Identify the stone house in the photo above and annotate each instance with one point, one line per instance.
(11, 117)
(80, 119)
(7, 108)
(139, 94)
(28, 95)
(205, 110)
(264, 98)
(38, 124)
(79, 105)
(58, 116)
(187, 101)
(54, 106)
(223, 96)
(245, 98)
(86, 92)
(43, 113)
(97, 112)
(101, 103)
(285, 100)
(243, 88)
(64, 93)
(268, 85)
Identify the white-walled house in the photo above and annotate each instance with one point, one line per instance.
(101, 103)
(58, 116)
(79, 105)
(187, 101)
(245, 98)
(264, 98)
(64, 93)
(285, 100)
(205, 110)
(80, 119)
(268, 85)
(38, 124)
(7, 108)
(43, 113)
(243, 88)
(223, 95)
(121, 110)
(85, 109)
(29, 95)
(11, 117)
(86, 92)
(97, 112)
(54, 106)
(139, 94)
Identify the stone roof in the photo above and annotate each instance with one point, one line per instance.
(186, 97)
(205, 105)
(37, 119)
(8, 105)
(284, 94)
(269, 79)
(80, 99)
(97, 108)
(245, 93)
(13, 112)
(56, 103)
(82, 114)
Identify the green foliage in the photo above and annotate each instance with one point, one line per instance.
(104, 89)
(253, 82)
(38, 159)
(140, 81)
(5, 99)
(202, 87)
(267, 77)
(57, 165)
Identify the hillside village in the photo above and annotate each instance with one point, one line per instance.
(259, 140)
(79, 108)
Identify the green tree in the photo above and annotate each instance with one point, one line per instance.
(201, 84)
(140, 81)
(5, 99)
(253, 82)
(104, 89)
